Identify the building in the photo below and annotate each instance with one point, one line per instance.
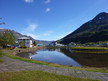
(55, 44)
(58, 44)
(28, 42)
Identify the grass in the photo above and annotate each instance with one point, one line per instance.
(1, 54)
(37, 76)
(1, 60)
(91, 48)
(94, 50)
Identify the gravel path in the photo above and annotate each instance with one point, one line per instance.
(13, 65)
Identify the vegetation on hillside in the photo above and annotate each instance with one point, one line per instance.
(94, 30)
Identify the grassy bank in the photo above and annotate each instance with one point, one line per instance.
(37, 76)
(91, 52)
(91, 48)
(105, 70)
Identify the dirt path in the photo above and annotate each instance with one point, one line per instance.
(13, 65)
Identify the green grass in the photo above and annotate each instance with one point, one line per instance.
(37, 76)
(91, 48)
(104, 70)
(1, 54)
(93, 52)
(1, 60)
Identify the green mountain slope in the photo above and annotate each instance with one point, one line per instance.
(94, 30)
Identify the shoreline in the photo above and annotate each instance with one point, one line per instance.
(11, 54)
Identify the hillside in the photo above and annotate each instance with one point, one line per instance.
(92, 31)
(18, 35)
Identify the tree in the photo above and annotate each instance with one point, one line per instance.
(9, 38)
(22, 44)
(1, 22)
(2, 42)
(34, 43)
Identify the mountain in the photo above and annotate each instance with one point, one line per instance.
(18, 35)
(43, 42)
(94, 30)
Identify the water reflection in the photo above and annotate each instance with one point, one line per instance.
(68, 57)
(54, 56)
(88, 59)
(27, 54)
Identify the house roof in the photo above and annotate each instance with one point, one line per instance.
(23, 38)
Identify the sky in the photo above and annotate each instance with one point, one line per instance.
(48, 19)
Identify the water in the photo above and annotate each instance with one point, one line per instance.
(54, 56)
(68, 57)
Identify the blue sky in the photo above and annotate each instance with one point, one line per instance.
(49, 19)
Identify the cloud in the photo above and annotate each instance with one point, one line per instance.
(48, 9)
(48, 33)
(47, 1)
(32, 35)
(32, 27)
(30, 30)
(29, 1)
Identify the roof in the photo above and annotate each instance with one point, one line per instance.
(23, 38)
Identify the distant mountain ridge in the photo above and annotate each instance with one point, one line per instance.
(92, 31)
(18, 35)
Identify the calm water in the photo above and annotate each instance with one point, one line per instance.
(68, 57)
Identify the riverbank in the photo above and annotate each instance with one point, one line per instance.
(12, 66)
(90, 49)
(10, 53)
(22, 64)
(105, 70)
